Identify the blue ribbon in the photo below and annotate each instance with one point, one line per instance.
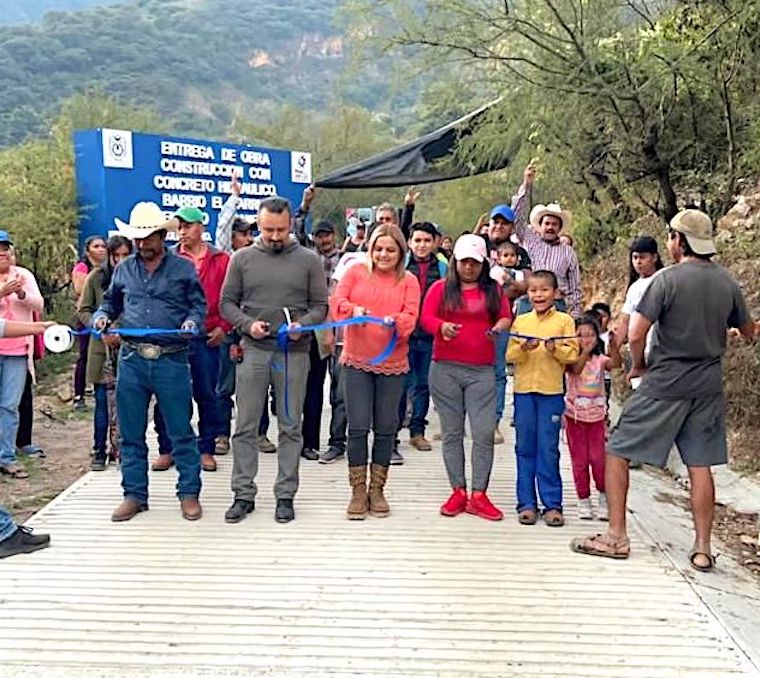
(283, 339)
(133, 331)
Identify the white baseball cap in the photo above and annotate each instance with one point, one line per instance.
(470, 246)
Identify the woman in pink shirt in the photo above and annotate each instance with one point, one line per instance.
(464, 313)
(94, 256)
(381, 288)
(19, 299)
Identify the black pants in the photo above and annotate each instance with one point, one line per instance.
(26, 415)
(312, 405)
(371, 401)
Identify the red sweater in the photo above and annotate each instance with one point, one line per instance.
(382, 295)
(211, 273)
(472, 345)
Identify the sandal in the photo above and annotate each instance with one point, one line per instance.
(14, 471)
(554, 518)
(702, 568)
(601, 545)
(527, 517)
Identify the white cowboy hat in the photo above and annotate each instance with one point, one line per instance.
(554, 210)
(144, 219)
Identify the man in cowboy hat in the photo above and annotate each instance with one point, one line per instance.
(547, 253)
(154, 289)
(680, 400)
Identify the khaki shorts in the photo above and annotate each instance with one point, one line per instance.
(649, 427)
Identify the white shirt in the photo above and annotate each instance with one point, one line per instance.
(633, 296)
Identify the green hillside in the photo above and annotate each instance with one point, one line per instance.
(19, 11)
(195, 62)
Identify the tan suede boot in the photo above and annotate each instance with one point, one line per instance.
(358, 508)
(378, 507)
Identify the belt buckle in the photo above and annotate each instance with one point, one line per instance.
(149, 351)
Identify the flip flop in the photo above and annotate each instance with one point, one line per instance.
(15, 471)
(601, 545)
(702, 568)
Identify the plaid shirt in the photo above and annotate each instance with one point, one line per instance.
(555, 257)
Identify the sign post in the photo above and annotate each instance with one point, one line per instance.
(115, 169)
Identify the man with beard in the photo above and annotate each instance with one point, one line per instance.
(154, 288)
(274, 281)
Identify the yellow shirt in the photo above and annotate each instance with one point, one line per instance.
(541, 371)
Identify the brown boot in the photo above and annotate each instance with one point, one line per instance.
(358, 508)
(163, 462)
(191, 508)
(378, 507)
(208, 463)
(127, 510)
(419, 442)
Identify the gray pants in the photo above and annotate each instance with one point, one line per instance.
(259, 369)
(458, 389)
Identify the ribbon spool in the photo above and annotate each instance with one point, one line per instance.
(58, 339)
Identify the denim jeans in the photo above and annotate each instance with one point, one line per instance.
(12, 381)
(168, 378)
(338, 421)
(101, 419)
(7, 526)
(80, 369)
(371, 402)
(204, 368)
(225, 386)
(314, 400)
(538, 419)
(159, 426)
(500, 372)
(416, 386)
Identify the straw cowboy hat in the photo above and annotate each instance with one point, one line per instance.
(552, 210)
(144, 219)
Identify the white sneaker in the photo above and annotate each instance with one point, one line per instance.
(584, 509)
(604, 512)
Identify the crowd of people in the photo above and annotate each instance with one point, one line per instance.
(398, 315)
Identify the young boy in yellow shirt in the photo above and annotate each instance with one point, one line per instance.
(539, 398)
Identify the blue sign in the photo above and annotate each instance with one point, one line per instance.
(116, 169)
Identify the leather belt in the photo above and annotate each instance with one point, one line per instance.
(153, 351)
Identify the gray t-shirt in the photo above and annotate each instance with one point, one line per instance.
(693, 304)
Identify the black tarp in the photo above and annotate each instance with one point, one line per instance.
(425, 160)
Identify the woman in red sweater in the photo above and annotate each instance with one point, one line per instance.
(463, 313)
(381, 288)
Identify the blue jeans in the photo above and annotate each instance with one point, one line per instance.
(338, 421)
(538, 419)
(204, 368)
(101, 419)
(225, 386)
(7, 526)
(416, 386)
(12, 381)
(500, 372)
(168, 378)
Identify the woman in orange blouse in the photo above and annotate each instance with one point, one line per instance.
(381, 288)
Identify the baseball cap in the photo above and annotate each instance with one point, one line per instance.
(190, 215)
(323, 227)
(4, 237)
(504, 211)
(470, 246)
(697, 228)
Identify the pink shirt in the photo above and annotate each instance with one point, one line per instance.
(585, 397)
(472, 345)
(382, 295)
(13, 308)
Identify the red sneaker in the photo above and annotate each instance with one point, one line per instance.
(456, 503)
(480, 505)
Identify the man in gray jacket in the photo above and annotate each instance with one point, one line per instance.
(274, 281)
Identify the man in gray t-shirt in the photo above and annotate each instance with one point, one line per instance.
(691, 306)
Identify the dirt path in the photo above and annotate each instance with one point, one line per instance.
(66, 439)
